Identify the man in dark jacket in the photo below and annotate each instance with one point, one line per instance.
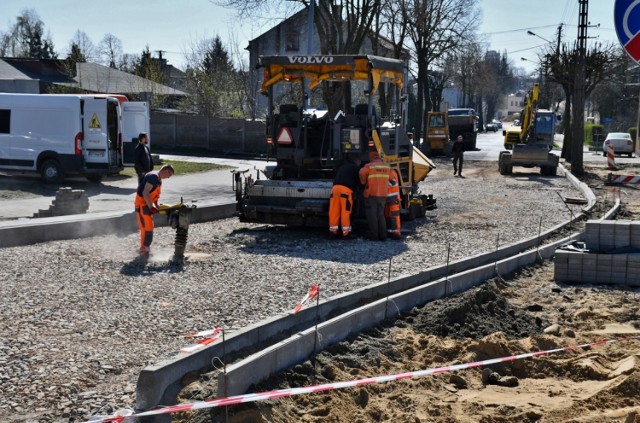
(345, 184)
(142, 161)
(458, 152)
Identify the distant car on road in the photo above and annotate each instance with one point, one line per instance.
(491, 127)
(497, 123)
(516, 122)
(621, 141)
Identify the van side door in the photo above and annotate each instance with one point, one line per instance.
(135, 119)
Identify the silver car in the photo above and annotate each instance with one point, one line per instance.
(621, 141)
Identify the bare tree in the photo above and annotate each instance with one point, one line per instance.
(342, 27)
(435, 28)
(246, 92)
(562, 62)
(85, 46)
(110, 50)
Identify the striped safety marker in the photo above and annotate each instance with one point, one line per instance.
(211, 337)
(611, 159)
(311, 295)
(625, 179)
(281, 393)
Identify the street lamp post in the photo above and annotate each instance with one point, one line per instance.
(536, 35)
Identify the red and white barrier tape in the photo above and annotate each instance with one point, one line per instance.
(203, 333)
(280, 393)
(211, 337)
(311, 295)
(625, 179)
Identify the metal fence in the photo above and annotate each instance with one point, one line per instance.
(218, 135)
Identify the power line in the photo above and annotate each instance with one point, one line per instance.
(520, 29)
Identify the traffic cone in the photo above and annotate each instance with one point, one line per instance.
(611, 159)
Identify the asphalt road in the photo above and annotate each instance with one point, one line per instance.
(117, 193)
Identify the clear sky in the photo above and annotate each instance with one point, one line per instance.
(175, 25)
(505, 24)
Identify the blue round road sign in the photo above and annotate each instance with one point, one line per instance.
(626, 14)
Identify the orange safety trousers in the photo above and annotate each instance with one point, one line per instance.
(340, 207)
(145, 219)
(392, 206)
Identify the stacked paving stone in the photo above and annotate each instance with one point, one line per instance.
(612, 255)
(68, 201)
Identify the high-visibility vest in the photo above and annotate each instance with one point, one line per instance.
(375, 177)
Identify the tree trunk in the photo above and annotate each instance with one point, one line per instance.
(422, 77)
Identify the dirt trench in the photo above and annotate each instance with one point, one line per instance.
(505, 316)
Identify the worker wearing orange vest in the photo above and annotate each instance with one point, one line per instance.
(345, 184)
(392, 207)
(146, 204)
(375, 177)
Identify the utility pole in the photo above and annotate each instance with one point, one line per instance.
(559, 40)
(577, 163)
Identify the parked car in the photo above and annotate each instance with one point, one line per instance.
(621, 141)
(516, 122)
(491, 127)
(497, 123)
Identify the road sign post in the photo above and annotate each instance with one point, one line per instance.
(626, 14)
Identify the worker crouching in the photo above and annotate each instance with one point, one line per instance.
(345, 184)
(392, 206)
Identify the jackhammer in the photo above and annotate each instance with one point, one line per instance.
(178, 217)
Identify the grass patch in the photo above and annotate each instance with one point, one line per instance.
(181, 168)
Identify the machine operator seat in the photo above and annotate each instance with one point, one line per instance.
(289, 115)
(362, 111)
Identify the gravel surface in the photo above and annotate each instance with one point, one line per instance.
(80, 318)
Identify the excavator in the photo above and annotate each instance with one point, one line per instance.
(310, 144)
(531, 143)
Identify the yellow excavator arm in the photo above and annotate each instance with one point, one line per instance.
(529, 115)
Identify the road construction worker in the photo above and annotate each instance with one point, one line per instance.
(392, 207)
(142, 160)
(146, 204)
(345, 184)
(375, 177)
(458, 155)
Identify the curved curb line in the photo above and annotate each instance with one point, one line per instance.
(15, 233)
(160, 383)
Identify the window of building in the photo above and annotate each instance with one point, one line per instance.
(5, 119)
(292, 41)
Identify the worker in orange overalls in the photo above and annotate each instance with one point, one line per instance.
(146, 204)
(345, 184)
(392, 207)
(375, 177)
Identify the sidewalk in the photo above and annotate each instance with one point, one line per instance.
(117, 193)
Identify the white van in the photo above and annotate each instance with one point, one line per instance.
(57, 135)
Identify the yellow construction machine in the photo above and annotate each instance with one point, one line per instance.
(530, 144)
(436, 132)
(310, 144)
